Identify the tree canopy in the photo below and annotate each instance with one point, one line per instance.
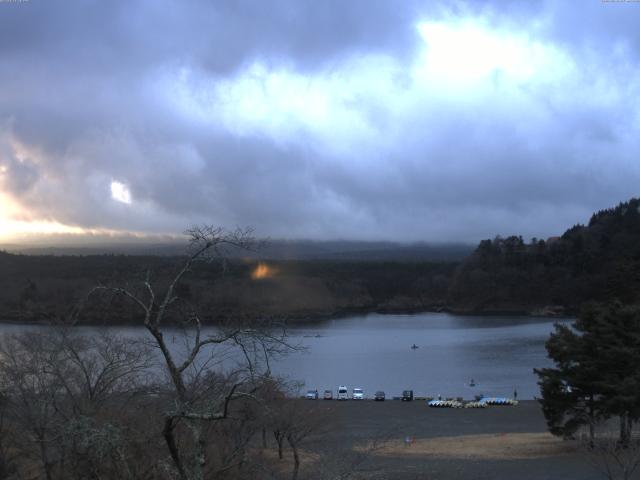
(597, 371)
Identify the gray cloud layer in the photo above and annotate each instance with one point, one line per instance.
(314, 119)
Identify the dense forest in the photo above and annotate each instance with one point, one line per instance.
(598, 261)
(45, 288)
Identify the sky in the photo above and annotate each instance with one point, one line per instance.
(358, 119)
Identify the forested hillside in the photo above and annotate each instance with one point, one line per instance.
(43, 288)
(599, 261)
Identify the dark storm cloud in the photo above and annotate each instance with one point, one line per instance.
(313, 119)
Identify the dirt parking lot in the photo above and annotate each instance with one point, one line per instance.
(414, 442)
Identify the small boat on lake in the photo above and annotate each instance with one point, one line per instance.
(472, 383)
(414, 346)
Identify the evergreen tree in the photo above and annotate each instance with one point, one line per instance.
(616, 329)
(570, 399)
(597, 371)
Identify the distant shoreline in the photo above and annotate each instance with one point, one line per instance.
(315, 318)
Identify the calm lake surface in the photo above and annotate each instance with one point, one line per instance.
(374, 352)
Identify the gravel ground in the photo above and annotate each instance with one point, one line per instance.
(452, 443)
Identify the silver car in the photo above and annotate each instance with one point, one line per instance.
(358, 394)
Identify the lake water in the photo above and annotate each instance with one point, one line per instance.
(374, 352)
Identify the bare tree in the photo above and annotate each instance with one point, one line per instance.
(303, 422)
(7, 457)
(97, 369)
(197, 396)
(291, 419)
(344, 461)
(32, 392)
(58, 389)
(614, 460)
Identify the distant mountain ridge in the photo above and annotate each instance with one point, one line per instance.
(278, 250)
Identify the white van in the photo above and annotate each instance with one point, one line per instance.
(343, 394)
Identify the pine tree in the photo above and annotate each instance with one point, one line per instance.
(616, 329)
(597, 371)
(570, 398)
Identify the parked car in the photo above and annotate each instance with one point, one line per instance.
(379, 396)
(358, 394)
(328, 395)
(407, 396)
(311, 395)
(343, 393)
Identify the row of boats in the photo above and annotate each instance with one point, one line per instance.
(482, 403)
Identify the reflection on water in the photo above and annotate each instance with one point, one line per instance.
(374, 352)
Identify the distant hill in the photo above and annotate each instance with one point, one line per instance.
(277, 250)
(364, 251)
(595, 262)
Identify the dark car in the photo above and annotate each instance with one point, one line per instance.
(379, 396)
(407, 396)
